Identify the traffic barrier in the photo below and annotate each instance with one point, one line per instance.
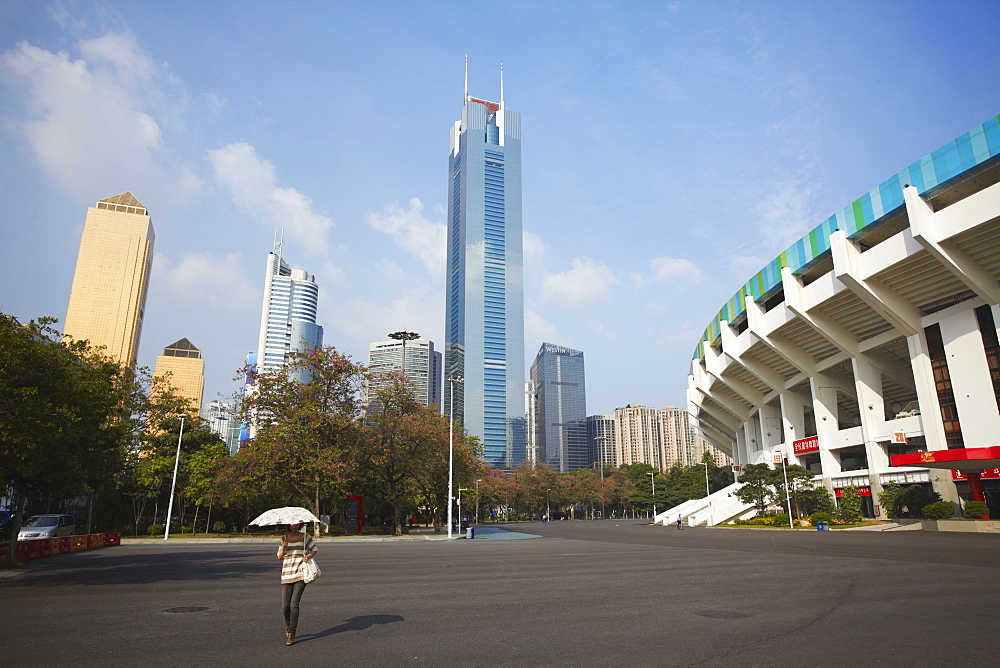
(112, 539)
(64, 545)
(39, 548)
(78, 543)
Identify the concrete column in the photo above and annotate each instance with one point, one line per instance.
(868, 382)
(793, 417)
(770, 426)
(824, 401)
(970, 378)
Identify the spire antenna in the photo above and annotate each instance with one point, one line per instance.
(501, 83)
(466, 100)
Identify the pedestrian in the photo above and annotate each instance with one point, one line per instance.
(680, 523)
(295, 549)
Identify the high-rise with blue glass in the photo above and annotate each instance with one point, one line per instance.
(484, 314)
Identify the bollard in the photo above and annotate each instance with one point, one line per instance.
(470, 532)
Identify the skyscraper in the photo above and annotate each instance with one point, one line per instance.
(186, 369)
(423, 367)
(560, 408)
(484, 310)
(108, 299)
(601, 438)
(288, 315)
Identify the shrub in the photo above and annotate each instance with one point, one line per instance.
(849, 509)
(756, 521)
(185, 528)
(977, 509)
(821, 516)
(938, 511)
(219, 527)
(916, 497)
(155, 530)
(780, 520)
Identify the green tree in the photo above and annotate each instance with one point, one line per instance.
(889, 498)
(849, 506)
(800, 483)
(67, 415)
(300, 453)
(757, 486)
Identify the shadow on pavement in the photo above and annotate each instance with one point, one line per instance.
(353, 624)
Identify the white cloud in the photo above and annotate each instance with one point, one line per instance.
(586, 281)
(665, 268)
(253, 185)
(94, 124)
(213, 282)
(415, 233)
(534, 250)
(536, 330)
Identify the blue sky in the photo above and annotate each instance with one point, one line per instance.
(670, 149)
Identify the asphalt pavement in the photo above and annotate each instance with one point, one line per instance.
(604, 593)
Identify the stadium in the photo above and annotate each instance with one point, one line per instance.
(868, 351)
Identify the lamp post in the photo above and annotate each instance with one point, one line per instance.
(708, 492)
(652, 477)
(451, 450)
(173, 485)
(478, 480)
(548, 513)
(404, 337)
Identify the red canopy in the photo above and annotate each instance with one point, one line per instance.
(960, 459)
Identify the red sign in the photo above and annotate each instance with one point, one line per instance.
(804, 445)
(777, 458)
(737, 468)
(863, 491)
(899, 437)
(988, 473)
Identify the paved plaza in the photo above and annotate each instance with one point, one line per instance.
(610, 593)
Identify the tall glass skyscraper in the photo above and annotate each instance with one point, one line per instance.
(484, 313)
(560, 408)
(288, 314)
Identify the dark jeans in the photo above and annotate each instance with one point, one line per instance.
(290, 595)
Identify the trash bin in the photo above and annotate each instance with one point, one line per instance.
(822, 526)
(470, 532)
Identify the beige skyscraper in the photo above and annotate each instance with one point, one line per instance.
(108, 299)
(182, 360)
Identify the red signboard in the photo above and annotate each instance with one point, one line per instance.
(804, 445)
(863, 491)
(988, 473)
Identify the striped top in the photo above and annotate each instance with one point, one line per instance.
(292, 562)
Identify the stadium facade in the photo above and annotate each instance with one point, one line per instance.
(868, 350)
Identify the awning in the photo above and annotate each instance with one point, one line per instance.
(958, 459)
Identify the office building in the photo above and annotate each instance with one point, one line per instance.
(221, 420)
(415, 359)
(601, 439)
(288, 314)
(183, 368)
(108, 299)
(867, 351)
(560, 408)
(484, 310)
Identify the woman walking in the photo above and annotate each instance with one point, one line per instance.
(295, 549)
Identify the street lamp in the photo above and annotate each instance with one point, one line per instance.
(404, 337)
(451, 449)
(652, 476)
(173, 485)
(478, 480)
(708, 492)
(548, 513)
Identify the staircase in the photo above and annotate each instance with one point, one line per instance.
(721, 507)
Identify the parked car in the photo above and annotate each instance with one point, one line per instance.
(47, 526)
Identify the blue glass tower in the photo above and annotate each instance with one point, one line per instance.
(484, 313)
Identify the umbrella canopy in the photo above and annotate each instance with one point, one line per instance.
(286, 515)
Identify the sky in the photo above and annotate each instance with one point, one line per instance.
(670, 150)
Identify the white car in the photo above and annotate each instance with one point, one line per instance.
(47, 526)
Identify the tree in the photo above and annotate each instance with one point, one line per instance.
(395, 441)
(67, 415)
(800, 481)
(756, 489)
(849, 506)
(304, 430)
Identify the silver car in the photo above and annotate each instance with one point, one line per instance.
(47, 526)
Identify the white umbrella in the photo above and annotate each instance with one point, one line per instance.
(286, 515)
